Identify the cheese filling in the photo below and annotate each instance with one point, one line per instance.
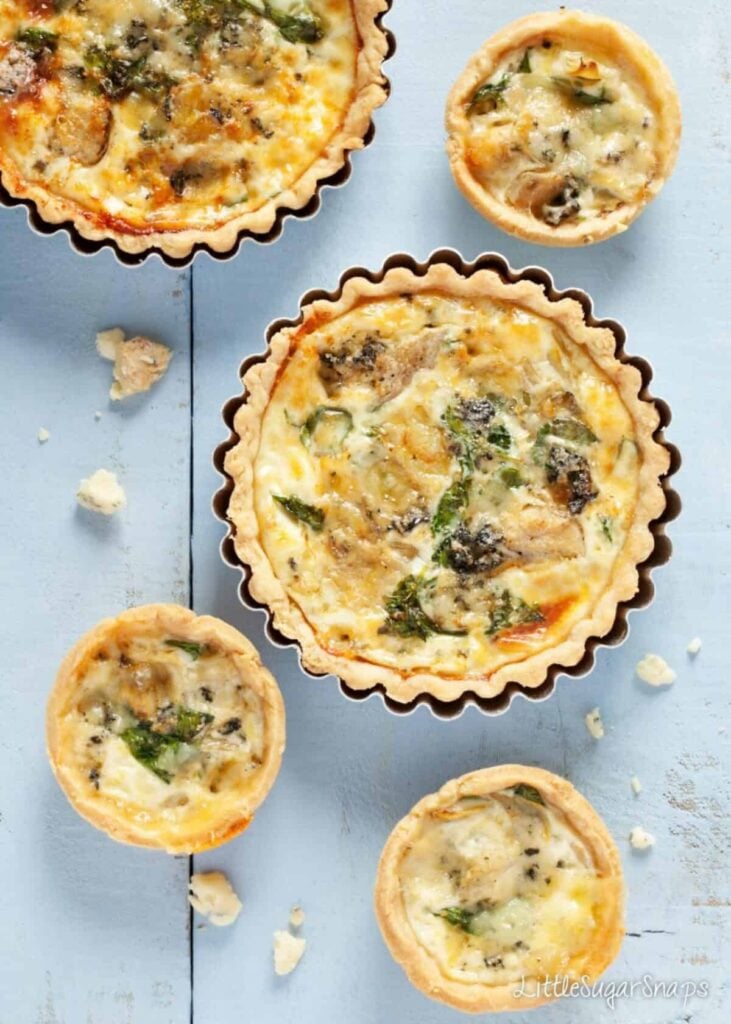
(443, 483)
(166, 114)
(562, 135)
(165, 728)
(499, 889)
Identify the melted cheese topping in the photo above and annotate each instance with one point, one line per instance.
(159, 115)
(500, 889)
(163, 731)
(563, 135)
(443, 483)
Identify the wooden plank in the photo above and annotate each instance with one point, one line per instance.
(93, 932)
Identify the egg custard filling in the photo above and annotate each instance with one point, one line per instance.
(562, 134)
(442, 483)
(499, 888)
(150, 119)
(562, 127)
(166, 732)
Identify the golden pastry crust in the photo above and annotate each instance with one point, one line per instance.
(420, 967)
(369, 91)
(404, 685)
(203, 818)
(621, 47)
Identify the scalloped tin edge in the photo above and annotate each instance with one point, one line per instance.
(85, 247)
(660, 553)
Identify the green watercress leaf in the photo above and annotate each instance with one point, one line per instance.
(405, 615)
(38, 41)
(458, 917)
(510, 611)
(189, 646)
(300, 510)
(450, 505)
(327, 427)
(528, 793)
(490, 92)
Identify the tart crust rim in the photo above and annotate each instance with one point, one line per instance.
(419, 966)
(656, 80)
(403, 687)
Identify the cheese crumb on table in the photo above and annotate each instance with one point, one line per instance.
(101, 492)
(138, 362)
(288, 950)
(640, 839)
(694, 646)
(655, 671)
(108, 341)
(43, 435)
(297, 917)
(212, 895)
(594, 724)
(636, 785)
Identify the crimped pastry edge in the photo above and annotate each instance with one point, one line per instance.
(608, 34)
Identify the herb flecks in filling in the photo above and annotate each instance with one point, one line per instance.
(509, 612)
(405, 615)
(560, 136)
(501, 888)
(461, 501)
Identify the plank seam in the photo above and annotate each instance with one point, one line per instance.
(191, 512)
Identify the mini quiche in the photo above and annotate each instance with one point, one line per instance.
(497, 887)
(443, 484)
(164, 729)
(168, 123)
(563, 127)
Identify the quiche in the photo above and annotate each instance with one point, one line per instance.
(501, 890)
(164, 729)
(443, 482)
(563, 127)
(168, 123)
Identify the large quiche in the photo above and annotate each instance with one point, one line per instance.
(167, 123)
(501, 891)
(443, 483)
(562, 127)
(164, 729)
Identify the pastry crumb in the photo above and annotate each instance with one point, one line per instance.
(101, 492)
(296, 917)
(655, 671)
(640, 839)
(138, 362)
(694, 646)
(44, 435)
(636, 785)
(212, 895)
(594, 724)
(97, 415)
(288, 951)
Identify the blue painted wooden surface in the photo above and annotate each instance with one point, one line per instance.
(95, 933)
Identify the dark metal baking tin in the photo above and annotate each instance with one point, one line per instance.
(86, 247)
(659, 555)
